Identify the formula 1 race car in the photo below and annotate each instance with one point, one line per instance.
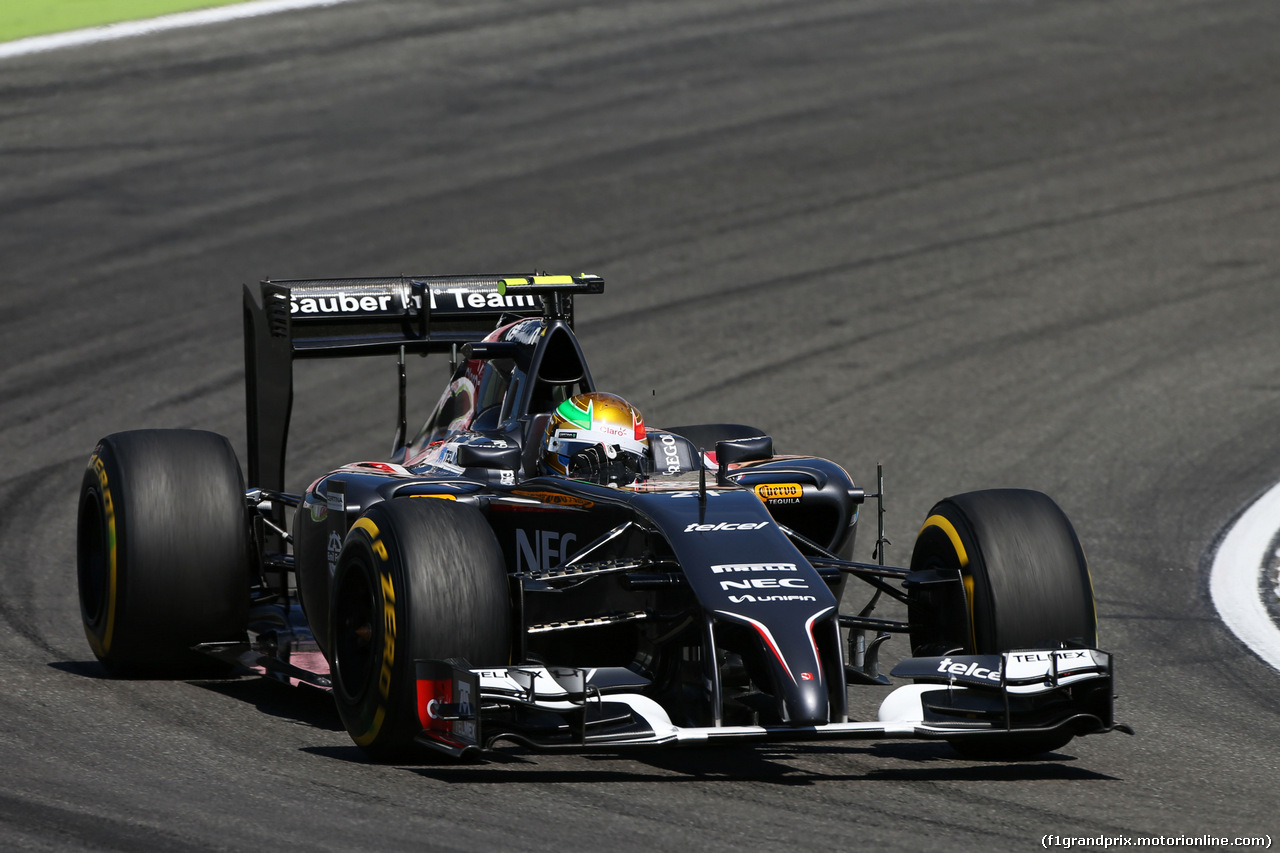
(538, 567)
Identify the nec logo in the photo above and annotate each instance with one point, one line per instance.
(542, 550)
(765, 583)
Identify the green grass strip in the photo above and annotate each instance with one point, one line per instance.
(22, 18)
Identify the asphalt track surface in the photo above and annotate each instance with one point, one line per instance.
(987, 244)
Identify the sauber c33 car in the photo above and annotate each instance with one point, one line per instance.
(471, 592)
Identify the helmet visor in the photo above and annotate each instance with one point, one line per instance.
(602, 464)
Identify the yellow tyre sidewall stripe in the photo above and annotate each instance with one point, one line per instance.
(944, 524)
(102, 645)
(386, 595)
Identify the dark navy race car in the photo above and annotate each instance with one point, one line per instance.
(538, 567)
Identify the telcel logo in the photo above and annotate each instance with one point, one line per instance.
(725, 525)
(973, 669)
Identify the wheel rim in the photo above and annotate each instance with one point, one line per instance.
(357, 634)
(92, 562)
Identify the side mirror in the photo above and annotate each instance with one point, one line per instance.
(506, 457)
(742, 450)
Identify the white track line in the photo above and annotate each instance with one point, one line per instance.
(1233, 578)
(127, 29)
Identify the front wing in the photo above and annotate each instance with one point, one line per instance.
(465, 711)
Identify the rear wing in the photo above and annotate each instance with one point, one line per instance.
(337, 318)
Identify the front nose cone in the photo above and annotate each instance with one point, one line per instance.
(805, 701)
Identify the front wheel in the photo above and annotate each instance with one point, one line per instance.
(1023, 584)
(417, 579)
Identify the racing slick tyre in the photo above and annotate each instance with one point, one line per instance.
(162, 551)
(1025, 584)
(417, 578)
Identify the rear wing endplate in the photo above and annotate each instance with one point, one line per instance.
(336, 318)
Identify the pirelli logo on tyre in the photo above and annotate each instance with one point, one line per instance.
(375, 537)
(780, 493)
(102, 644)
(387, 588)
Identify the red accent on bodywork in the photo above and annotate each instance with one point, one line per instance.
(429, 692)
(808, 627)
(768, 641)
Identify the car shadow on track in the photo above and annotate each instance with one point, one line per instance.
(82, 668)
(306, 705)
(791, 765)
(936, 762)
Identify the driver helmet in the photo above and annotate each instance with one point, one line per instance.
(596, 437)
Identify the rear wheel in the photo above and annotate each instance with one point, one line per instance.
(162, 551)
(418, 578)
(1024, 583)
